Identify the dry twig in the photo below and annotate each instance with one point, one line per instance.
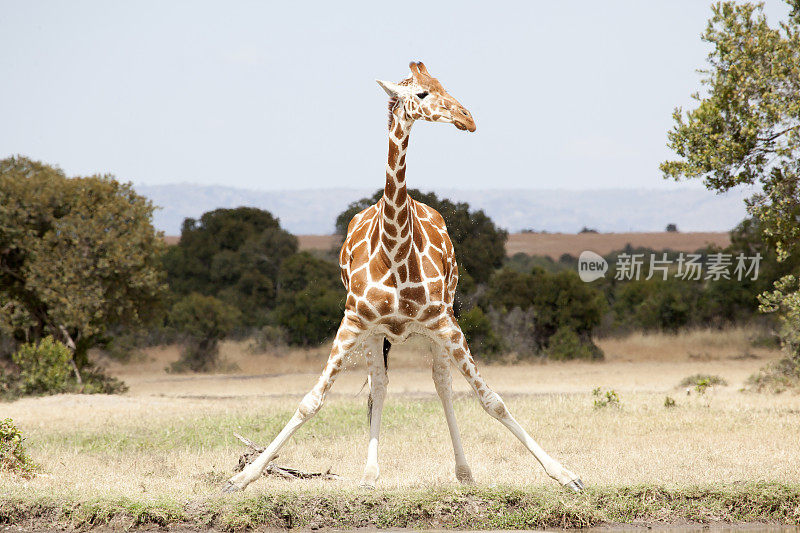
(273, 469)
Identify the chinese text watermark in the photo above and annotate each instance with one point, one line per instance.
(685, 266)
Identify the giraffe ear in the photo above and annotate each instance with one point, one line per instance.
(392, 89)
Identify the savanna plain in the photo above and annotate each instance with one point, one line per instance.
(158, 455)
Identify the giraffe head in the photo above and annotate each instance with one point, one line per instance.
(422, 97)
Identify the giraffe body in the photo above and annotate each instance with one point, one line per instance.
(405, 289)
(399, 268)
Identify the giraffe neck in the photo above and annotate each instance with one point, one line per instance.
(396, 221)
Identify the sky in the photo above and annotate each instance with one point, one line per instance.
(566, 95)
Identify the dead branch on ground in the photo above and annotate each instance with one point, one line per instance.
(273, 469)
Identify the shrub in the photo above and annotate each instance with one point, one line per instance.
(566, 344)
(702, 386)
(312, 315)
(779, 376)
(13, 457)
(656, 304)
(783, 374)
(695, 380)
(310, 299)
(44, 368)
(669, 402)
(516, 331)
(609, 398)
(559, 300)
(481, 336)
(268, 337)
(47, 367)
(204, 321)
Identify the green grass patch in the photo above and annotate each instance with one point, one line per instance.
(214, 431)
(446, 508)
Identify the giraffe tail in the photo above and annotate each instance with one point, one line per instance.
(386, 347)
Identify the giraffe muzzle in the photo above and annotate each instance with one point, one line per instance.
(463, 120)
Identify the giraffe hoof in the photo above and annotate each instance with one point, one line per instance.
(576, 485)
(464, 475)
(231, 487)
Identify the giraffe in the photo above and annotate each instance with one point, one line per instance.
(399, 269)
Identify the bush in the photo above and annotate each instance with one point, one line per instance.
(481, 336)
(47, 367)
(609, 398)
(779, 376)
(269, 337)
(706, 380)
(312, 315)
(783, 374)
(310, 300)
(13, 457)
(204, 321)
(516, 331)
(566, 344)
(44, 368)
(657, 304)
(532, 308)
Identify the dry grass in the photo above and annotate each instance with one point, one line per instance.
(694, 345)
(170, 438)
(556, 244)
(172, 433)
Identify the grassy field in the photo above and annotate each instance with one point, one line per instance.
(138, 458)
(556, 244)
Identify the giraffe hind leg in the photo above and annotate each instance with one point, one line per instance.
(386, 347)
(378, 381)
(444, 388)
(454, 342)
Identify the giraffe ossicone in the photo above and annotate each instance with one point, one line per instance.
(399, 268)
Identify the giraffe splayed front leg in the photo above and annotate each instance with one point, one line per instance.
(348, 337)
(453, 342)
(378, 382)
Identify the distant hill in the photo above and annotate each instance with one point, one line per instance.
(606, 210)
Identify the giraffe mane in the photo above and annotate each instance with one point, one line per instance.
(393, 101)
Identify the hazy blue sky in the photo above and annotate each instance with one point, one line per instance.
(282, 96)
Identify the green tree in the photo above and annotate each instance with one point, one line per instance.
(204, 321)
(656, 304)
(76, 256)
(234, 255)
(303, 270)
(481, 336)
(310, 299)
(559, 300)
(745, 129)
(479, 244)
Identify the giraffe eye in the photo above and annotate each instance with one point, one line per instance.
(422, 95)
